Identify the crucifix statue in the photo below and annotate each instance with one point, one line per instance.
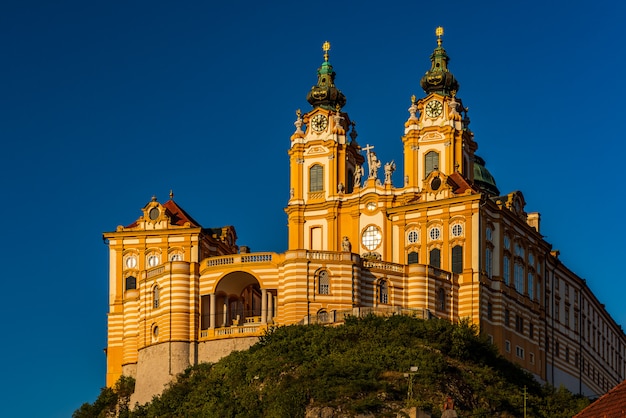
(372, 161)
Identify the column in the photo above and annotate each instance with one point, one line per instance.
(212, 311)
(263, 306)
(270, 306)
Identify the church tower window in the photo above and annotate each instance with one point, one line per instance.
(316, 178)
(431, 162)
(413, 258)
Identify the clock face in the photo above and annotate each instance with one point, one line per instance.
(434, 108)
(154, 213)
(319, 123)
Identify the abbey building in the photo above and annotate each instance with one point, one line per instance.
(447, 243)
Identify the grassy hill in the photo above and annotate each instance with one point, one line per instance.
(356, 368)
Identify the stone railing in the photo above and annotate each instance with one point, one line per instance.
(334, 317)
(239, 259)
(438, 273)
(383, 265)
(324, 255)
(155, 271)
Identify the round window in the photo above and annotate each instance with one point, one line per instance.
(131, 262)
(154, 213)
(412, 237)
(435, 233)
(371, 238)
(153, 260)
(457, 230)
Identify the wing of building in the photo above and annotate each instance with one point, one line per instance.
(446, 243)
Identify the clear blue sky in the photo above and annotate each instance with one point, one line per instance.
(104, 104)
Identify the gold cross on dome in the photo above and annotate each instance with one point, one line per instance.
(439, 34)
(326, 48)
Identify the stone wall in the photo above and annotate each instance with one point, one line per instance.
(159, 364)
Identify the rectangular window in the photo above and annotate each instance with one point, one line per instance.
(507, 346)
(489, 262)
(457, 259)
(506, 271)
(489, 310)
(519, 351)
(518, 276)
(507, 316)
(531, 358)
(519, 324)
(531, 286)
(557, 310)
(531, 330)
(435, 258)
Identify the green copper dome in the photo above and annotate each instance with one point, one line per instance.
(483, 178)
(325, 94)
(439, 79)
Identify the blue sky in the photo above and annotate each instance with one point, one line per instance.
(104, 104)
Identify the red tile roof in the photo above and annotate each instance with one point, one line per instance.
(610, 405)
(459, 183)
(178, 215)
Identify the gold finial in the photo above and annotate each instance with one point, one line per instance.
(326, 48)
(413, 99)
(171, 194)
(439, 33)
(298, 113)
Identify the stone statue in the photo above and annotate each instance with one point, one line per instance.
(389, 169)
(358, 173)
(374, 165)
(345, 245)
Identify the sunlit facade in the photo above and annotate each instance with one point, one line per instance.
(438, 240)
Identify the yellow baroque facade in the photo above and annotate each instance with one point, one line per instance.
(444, 244)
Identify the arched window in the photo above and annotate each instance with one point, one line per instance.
(383, 295)
(316, 178)
(435, 257)
(431, 162)
(457, 259)
(322, 316)
(413, 258)
(323, 283)
(155, 297)
(131, 283)
(441, 299)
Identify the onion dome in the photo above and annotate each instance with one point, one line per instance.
(325, 94)
(483, 178)
(439, 79)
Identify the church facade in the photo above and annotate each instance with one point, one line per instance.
(445, 244)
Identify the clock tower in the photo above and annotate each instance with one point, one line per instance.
(437, 139)
(323, 161)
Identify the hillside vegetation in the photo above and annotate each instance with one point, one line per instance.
(356, 368)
